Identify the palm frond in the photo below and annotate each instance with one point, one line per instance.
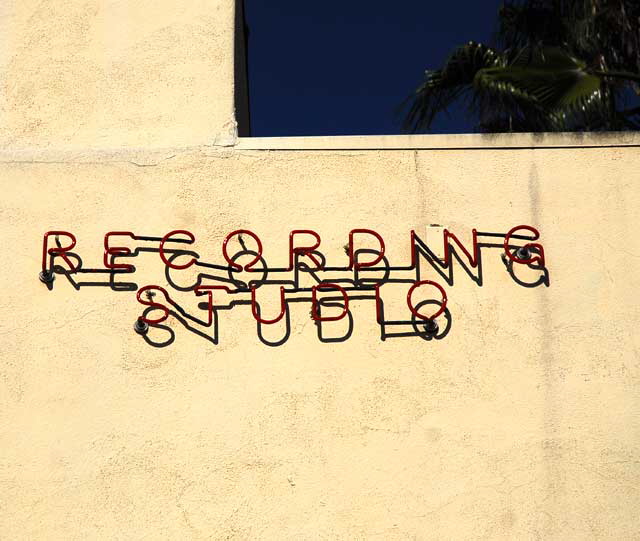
(545, 81)
(443, 86)
(566, 65)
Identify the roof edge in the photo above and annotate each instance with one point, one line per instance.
(444, 142)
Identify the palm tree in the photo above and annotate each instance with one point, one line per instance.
(559, 65)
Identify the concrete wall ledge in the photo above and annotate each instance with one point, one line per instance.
(443, 142)
(153, 155)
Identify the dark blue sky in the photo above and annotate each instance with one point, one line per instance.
(342, 67)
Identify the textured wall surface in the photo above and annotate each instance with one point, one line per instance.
(111, 73)
(522, 423)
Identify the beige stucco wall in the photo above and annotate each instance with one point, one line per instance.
(113, 73)
(521, 424)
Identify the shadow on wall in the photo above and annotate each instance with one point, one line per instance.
(333, 289)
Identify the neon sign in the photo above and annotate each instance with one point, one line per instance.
(230, 284)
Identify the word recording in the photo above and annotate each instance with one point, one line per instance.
(306, 277)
